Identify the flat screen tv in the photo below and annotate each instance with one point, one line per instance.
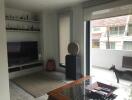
(22, 52)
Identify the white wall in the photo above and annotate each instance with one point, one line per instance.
(16, 36)
(105, 58)
(4, 78)
(50, 36)
(21, 35)
(78, 31)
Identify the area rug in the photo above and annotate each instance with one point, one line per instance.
(38, 84)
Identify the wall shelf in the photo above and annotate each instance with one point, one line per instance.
(21, 31)
(22, 20)
(22, 24)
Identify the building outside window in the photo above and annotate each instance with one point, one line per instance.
(121, 30)
(112, 33)
(117, 30)
(96, 44)
(113, 30)
(130, 30)
(127, 45)
(111, 45)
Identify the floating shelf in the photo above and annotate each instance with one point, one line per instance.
(21, 31)
(22, 20)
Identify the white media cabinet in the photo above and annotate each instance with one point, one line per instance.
(25, 69)
(24, 66)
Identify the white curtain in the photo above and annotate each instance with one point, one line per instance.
(64, 36)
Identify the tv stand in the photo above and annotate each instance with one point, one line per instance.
(15, 68)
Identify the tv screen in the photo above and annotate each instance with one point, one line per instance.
(22, 52)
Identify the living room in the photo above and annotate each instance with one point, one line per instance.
(44, 29)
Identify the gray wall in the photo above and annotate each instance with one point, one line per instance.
(4, 78)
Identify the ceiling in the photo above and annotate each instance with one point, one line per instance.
(39, 5)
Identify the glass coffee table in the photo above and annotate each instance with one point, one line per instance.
(85, 89)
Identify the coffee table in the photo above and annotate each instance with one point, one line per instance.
(76, 90)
